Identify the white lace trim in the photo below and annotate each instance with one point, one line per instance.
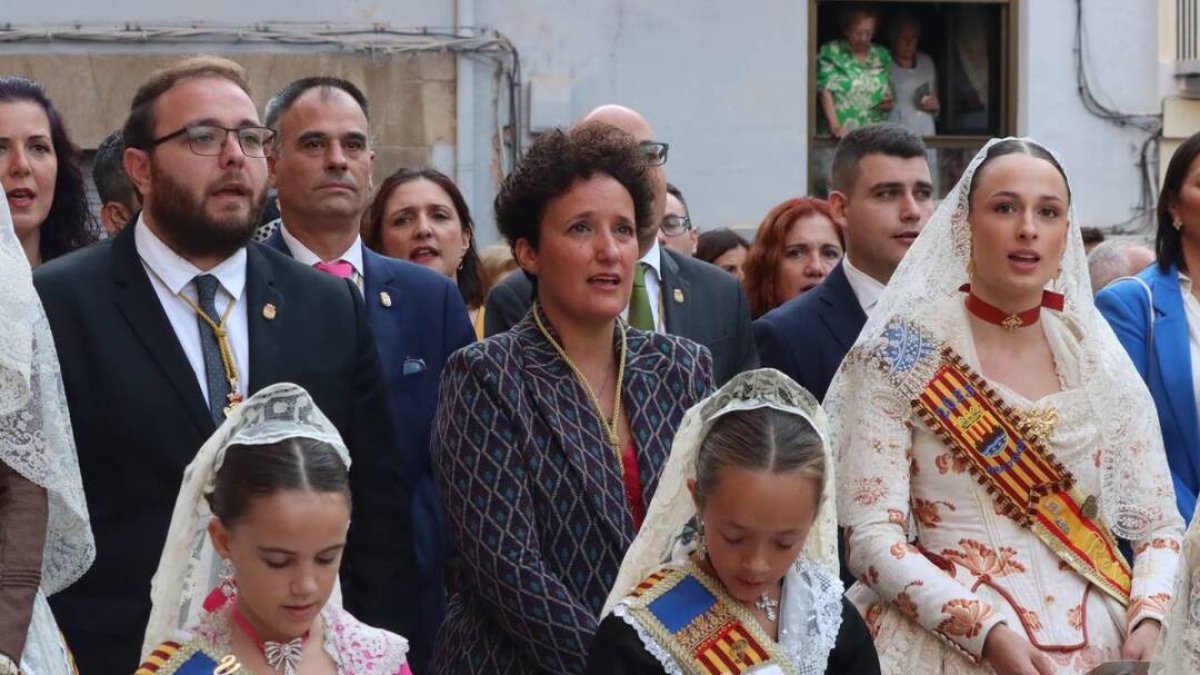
(811, 616)
(664, 657)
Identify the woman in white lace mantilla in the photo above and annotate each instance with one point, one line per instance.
(247, 582)
(735, 570)
(994, 446)
(45, 538)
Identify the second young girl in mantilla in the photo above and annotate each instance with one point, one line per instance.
(757, 591)
(251, 562)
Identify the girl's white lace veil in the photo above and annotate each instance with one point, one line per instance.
(810, 615)
(936, 266)
(189, 567)
(672, 507)
(35, 426)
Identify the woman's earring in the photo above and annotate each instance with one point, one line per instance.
(971, 267)
(1177, 224)
(227, 585)
(701, 544)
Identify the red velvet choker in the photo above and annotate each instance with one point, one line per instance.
(1010, 321)
(283, 657)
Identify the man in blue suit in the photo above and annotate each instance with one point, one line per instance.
(322, 169)
(882, 195)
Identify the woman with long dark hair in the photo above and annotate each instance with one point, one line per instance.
(42, 174)
(1156, 316)
(420, 215)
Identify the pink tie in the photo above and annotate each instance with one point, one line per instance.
(341, 268)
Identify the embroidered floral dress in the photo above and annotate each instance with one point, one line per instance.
(931, 600)
(858, 87)
(356, 648)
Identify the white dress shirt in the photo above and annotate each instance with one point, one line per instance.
(653, 281)
(1191, 308)
(866, 288)
(303, 254)
(171, 276)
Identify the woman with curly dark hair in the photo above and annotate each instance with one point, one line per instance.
(550, 438)
(41, 172)
(795, 248)
(420, 215)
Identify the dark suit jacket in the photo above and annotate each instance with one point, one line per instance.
(1163, 356)
(424, 322)
(702, 303)
(535, 499)
(808, 336)
(139, 417)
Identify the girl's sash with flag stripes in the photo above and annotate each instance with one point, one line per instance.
(687, 614)
(1005, 453)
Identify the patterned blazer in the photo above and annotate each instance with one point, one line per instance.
(534, 497)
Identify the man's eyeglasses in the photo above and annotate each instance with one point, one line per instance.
(655, 152)
(673, 226)
(209, 139)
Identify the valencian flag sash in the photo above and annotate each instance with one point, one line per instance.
(1004, 451)
(687, 614)
(192, 658)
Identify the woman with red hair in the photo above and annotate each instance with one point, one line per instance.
(795, 247)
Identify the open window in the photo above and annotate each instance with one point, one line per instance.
(968, 46)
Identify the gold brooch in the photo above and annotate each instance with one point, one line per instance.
(1041, 422)
(1012, 322)
(268, 311)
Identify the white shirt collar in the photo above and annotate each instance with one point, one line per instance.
(302, 254)
(177, 273)
(653, 258)
(866, 288)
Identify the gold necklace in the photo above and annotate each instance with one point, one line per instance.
(223, 346)
(610, 426)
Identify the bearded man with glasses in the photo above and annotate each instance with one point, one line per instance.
(165, 328)
(673, 293)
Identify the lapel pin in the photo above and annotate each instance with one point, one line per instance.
(678, 295)
(385, 298)
(268, 311)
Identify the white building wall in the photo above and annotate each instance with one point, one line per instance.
(725, 83)
(1122, 58)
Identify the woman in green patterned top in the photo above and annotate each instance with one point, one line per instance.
(854, 76)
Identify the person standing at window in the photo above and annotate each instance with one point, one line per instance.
(854, 76)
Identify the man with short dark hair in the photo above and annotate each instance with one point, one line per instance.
(672, 293)
(322, 169)
(118, 199)
(882, 195)
(163, 328)
(677, 231)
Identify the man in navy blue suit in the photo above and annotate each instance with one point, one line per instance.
(882, 195)
(321, 168)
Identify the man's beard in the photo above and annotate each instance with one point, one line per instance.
(192, 232)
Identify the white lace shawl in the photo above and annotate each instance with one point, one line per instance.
(356, 648)
(35, 427)
(810, 616)
(189, 567)
(1133, 463)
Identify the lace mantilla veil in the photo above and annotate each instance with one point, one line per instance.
(1178, 649)
(35, 433)
(810, 615)
(1130, 441)
(189, 568)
